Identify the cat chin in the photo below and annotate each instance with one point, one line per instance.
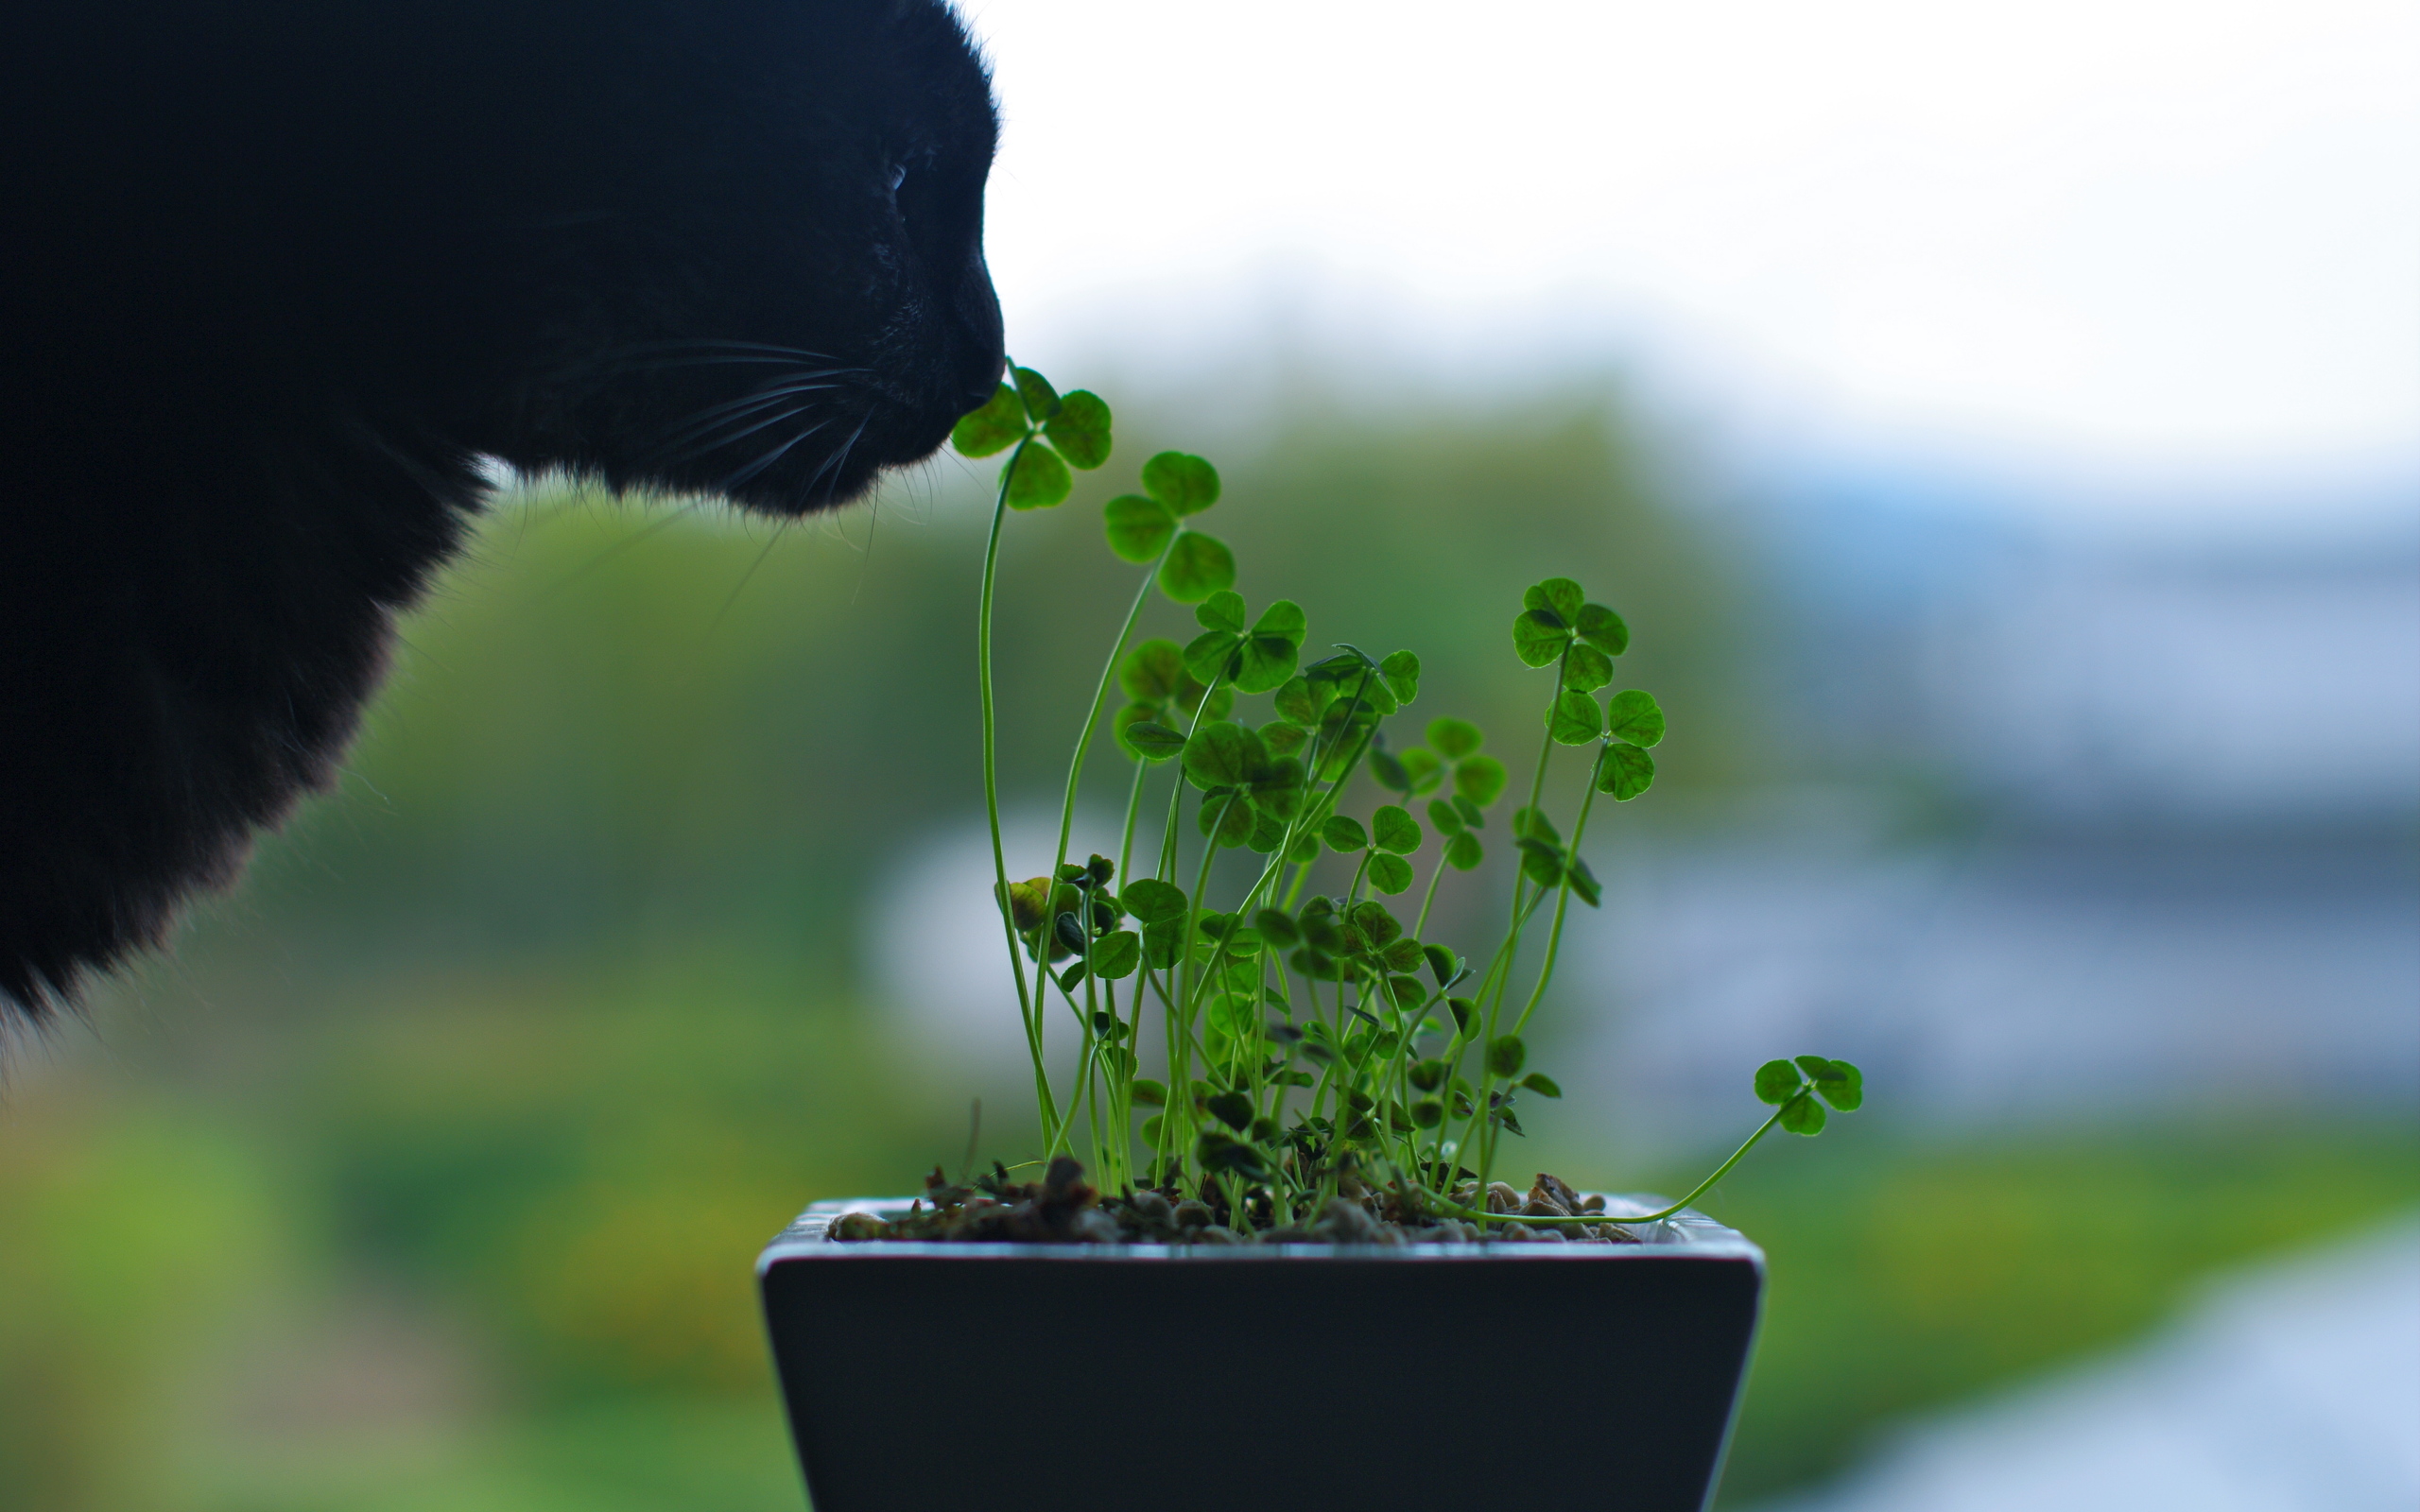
(829, 462)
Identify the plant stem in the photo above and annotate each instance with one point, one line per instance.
(1101, 696)
(1430, 897)
(1561, 902)
(1176, 799)
(1027, 1008)
(1496, 1002)
(1126, 835)
(1181, 1011)
(1659, 1215)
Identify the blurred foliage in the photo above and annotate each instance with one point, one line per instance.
(453, 1226)
(1909, 1273)
(429, 1172)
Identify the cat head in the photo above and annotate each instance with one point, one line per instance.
(779, 289)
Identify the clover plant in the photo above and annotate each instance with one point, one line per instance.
(1315, 1042)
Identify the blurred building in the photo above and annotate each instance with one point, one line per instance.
(2088, 819)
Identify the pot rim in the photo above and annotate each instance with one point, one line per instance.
(1686, 1235)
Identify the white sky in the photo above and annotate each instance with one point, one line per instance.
(2150, 232)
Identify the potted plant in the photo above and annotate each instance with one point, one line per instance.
(1283, 1273)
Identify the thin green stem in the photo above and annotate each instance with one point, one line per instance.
(1495, 1004)
(1180, 1008)
(1126, 835)
(1101, 696)
(1660, 1213)
(1027, 1008)
(1421, 925)
(1561, 902)
(1176, 799)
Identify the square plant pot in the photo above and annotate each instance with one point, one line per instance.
(1244, 1379)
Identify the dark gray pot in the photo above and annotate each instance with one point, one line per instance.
(1149, 1377)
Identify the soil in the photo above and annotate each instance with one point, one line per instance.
(1064, 1208)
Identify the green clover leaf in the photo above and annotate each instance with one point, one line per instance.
(1028, 901)
(1442, 964)
(1277, 785)
(1586, 669)
(1604, 628)
(1138, 529)
(1278, 928)
(1223, 754)
(1270, 650)
(1080, 429)
(1152, 672)
(1538, 637)
(1344, 832)
(1150, 741)
(1532, 824)
(1836, 1081)
(1379, 927)
(1479, 778)
(1222, 611)
(1227, 818)
(1506, 1055)
(1153, 902)
(1198, 566)
(1454, 739)
(1211, 655)
(1299, 702)
(1541, 862)
(995, 427)
(1573, 719)
(1185, 483)
(1116, 958)
(1634, 716)
(1625, 771)
(1041, 400)
(1038, 479)
(1559, 596)
(1778, 1081)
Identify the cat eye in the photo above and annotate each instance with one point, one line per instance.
(898, 176)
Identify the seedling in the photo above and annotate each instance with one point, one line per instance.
(1316, 1044)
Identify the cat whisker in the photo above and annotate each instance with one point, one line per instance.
(772, 387)
(724, 344)
(767, 459)
(837, 462)
(659, 364)
(648, 533)
(707, 420)
(719, 441)
(741, 586)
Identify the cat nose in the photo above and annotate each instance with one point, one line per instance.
(980, 392)
(978, 314)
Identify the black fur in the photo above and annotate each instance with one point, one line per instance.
(274, 274)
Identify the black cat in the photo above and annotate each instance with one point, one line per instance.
(276, 274)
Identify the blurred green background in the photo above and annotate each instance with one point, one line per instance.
(428, 1172)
